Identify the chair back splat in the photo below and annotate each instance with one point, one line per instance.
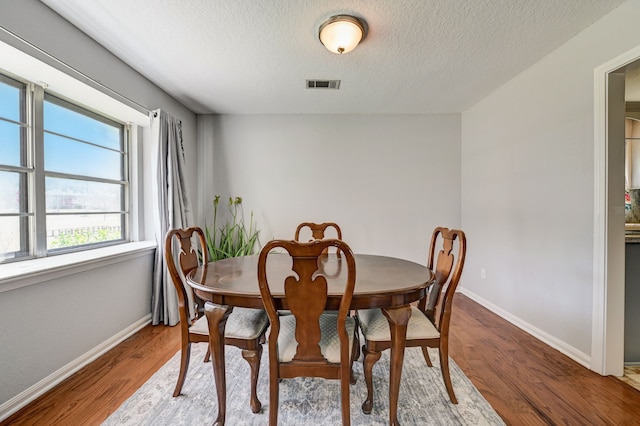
(310, 342)
(182, 257)
(443, 265)
(318, 232)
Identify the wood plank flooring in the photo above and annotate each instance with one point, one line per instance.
(632, 376)
(97, 390)
(526, 381)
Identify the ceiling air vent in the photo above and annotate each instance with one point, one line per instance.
(323, 84)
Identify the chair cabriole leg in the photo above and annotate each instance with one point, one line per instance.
(369, 358)
(253, 358)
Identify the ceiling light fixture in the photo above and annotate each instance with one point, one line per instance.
(341, 33)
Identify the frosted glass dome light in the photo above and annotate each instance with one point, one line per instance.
(341, 33)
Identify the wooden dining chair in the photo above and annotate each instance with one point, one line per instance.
(309, 342)
(318, 231)
(245, 328)
(429, 322)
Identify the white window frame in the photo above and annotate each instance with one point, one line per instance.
(125, 180)
(18, 57)
(35, 231)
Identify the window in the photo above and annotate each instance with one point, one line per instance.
(63, 174)
(14, 216)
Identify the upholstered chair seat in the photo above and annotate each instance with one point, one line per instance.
(375, 327)
(243, 323)
(329, 341)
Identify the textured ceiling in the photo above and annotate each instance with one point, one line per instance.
(248, 56)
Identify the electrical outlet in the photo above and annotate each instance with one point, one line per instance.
(483, 273)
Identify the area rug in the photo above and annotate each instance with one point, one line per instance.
(304, 401)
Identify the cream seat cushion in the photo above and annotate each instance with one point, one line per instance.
(243, 323)
(375, 326)
(329, 340)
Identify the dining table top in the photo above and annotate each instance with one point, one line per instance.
(381, 281)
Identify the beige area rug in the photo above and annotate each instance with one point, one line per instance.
(304, 401)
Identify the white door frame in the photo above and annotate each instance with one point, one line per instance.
(607, 342)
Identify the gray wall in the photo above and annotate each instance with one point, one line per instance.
(48, 325)
(387, 180)
(528, 188)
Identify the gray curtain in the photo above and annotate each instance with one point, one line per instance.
(171, 209)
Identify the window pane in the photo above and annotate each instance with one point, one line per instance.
(10, 143)
(13, 244)
(67, 122)
(10, 194)
(10, 101)
(80, 149)
(68, 156)
(70, 195)
(77, 229)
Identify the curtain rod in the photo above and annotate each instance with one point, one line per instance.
(25, 46)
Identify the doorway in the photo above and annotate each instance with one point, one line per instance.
(607, 354)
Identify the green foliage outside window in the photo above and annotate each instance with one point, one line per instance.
(82, 236)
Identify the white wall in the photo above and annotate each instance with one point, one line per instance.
(57, 322)
(528, 188)
(387, 180)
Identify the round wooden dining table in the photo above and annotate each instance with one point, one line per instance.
(381, 282)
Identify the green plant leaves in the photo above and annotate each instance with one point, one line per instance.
(233, 239)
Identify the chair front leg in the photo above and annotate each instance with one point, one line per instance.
(207, 356)
(368, 360)
(253, 358)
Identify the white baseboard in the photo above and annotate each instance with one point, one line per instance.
(22, 399)
(573, 353)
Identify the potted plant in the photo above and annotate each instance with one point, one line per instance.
(233, 239)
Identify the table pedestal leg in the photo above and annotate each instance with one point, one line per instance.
(398, 319)
(217, 319)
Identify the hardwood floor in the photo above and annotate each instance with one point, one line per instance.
(526, 381)
(530, 383)
(97, 390)
(632, 376)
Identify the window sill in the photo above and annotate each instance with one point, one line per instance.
(24, 273)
